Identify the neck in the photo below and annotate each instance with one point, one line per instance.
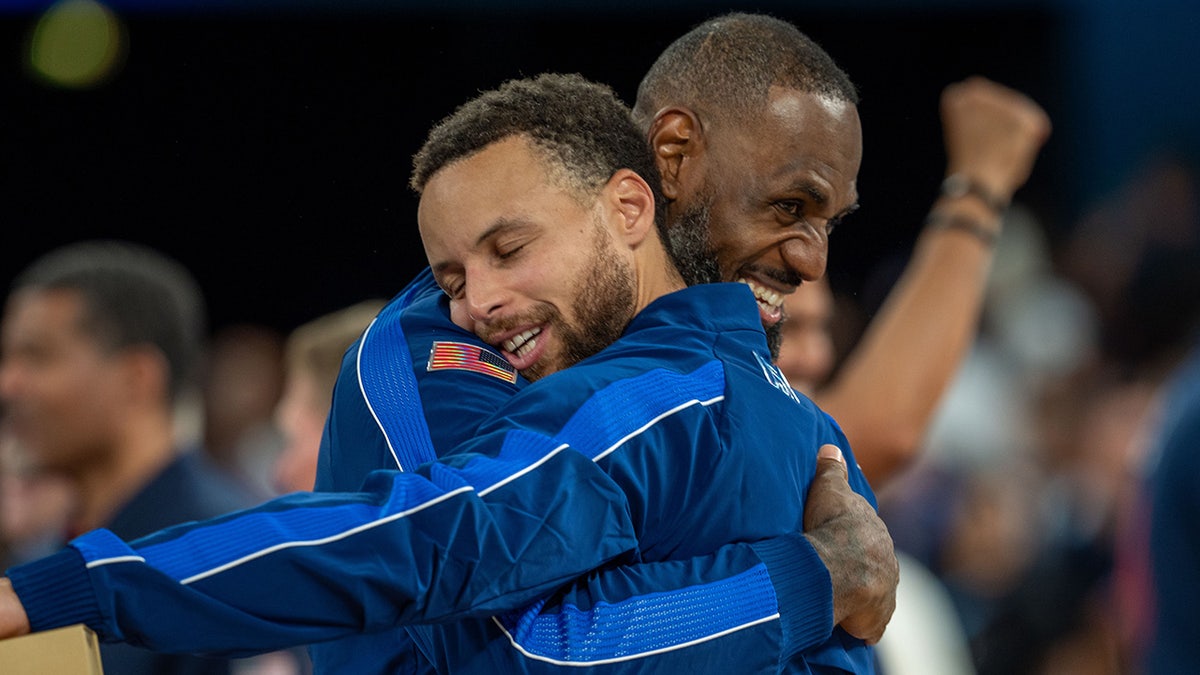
(104, 486)
(657, 275)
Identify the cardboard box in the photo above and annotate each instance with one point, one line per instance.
(73, 650)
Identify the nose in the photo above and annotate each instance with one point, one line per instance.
(806, 255)
(483, 298)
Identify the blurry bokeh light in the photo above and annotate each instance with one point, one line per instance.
(76, 44)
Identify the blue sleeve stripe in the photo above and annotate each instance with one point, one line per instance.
(609, 418)
(641, 655)
(628, 407)
(645, 625)
(385, 375)
(512, 442)
(115, 559)
(205, 551)
(317, 542)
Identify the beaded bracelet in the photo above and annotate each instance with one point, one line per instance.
(959, 185)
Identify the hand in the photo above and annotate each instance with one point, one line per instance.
(13, 621)
(856, 548)
(992, 133)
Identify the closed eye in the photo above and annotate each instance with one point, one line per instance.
(506, 255)
(452, 286)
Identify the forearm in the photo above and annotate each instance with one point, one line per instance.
(746, 607)
(311, 567)
(890, 386)
(892, 383)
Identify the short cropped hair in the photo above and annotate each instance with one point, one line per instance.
(132, 295)
(581, 126)
(724, 68)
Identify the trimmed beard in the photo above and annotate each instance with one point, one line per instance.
(691, 249)
(605, 302)
(690, 246)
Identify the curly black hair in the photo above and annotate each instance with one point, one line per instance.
(724, 69)
(580, 126)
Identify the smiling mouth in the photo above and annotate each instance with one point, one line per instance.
(770, 302)
(521, 345)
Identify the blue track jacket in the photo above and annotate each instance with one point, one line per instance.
(678, 438)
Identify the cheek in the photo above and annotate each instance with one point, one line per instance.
(460, 317)
(72, 389)
(551, 279)
(736, 235)
(305, 435)
(301, 428)
(71, 414)
(736, 230)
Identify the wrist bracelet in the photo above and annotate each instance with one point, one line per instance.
(959, 185)
(952, 221)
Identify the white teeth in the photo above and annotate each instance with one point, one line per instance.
(526, 348)
(766, 296)
(516, 342)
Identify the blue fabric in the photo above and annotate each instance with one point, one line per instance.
(708, 454)
(607, 631)
(1175, 527)
(354, 444)
(614, 413)
(591, 432)
(389, 386)
(189, 488)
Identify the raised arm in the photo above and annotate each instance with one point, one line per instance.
(891, 384)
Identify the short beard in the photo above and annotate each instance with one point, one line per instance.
(690, 246)
(775, 338)
(605, 302)
(691, 250)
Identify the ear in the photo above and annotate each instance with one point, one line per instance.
(146, 373)
(677, 139)
(632, 204)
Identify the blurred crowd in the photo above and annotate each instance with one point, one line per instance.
(1025, 502)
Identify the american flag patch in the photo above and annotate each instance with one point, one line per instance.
(462, 356)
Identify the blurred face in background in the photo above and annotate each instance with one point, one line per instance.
(63, 393)
(300, 417)
(806, 356)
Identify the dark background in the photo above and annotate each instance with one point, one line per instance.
(267, 145)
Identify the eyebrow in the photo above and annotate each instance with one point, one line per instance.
(501, 225)
(847, 211)
(820, 198)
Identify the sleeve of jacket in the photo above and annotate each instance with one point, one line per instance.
(743, 607)
(747, 608)
(474, 536)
